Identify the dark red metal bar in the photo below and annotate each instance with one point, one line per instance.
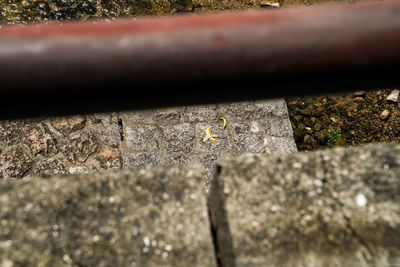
(193, 59)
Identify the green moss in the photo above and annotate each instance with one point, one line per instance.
(333, 136)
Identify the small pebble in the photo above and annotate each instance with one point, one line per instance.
(394, 96)
(267, 3)
(359, 93)
(385, 114)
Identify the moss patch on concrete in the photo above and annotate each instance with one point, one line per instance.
(317, 121)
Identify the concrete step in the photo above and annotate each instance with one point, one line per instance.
(153, 217)
(336, 207)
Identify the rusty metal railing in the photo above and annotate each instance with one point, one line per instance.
(153, 62)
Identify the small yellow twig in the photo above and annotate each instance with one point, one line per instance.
(209, 136)
(223, 119)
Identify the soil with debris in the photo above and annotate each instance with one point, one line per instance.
(341, 120)
(17, 11)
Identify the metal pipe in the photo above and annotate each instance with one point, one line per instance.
(149, 62)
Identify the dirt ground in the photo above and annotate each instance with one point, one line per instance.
(342, 120)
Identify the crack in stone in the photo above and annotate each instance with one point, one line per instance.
(214, 236)
(219, 225)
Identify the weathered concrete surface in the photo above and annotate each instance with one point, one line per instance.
(175, 135)
(142, 217)
(326, 208)
(94, 142)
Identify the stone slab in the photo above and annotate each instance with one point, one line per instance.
(56, 145)
(94, 142)
(160, 136)
(140, 217)
(326, 208)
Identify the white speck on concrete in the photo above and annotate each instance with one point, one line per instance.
(318, 182)
(361, 200)
(146, 241)
(226, 190)
(297, 165)
(66, 258)
(386, 166)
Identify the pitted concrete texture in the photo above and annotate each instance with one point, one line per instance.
(326, 208)
(90, 143)
(141, 217)
(175, 135)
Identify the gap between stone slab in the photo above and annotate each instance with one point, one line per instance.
(220, 247)
(217, 249)
(121, 129)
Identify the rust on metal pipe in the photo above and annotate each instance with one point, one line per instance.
(195, 59)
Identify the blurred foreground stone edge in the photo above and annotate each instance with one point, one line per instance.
(153, 217)
(326, 208)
